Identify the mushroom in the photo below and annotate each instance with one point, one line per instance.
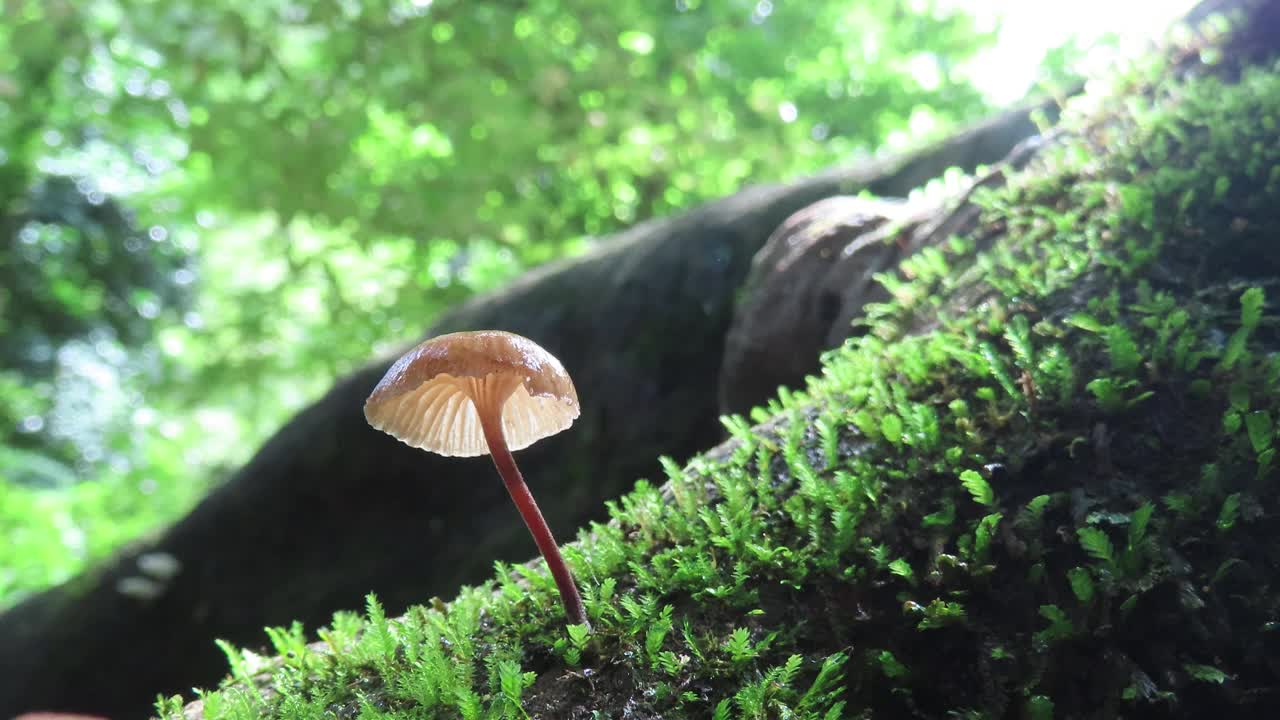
(470, 393)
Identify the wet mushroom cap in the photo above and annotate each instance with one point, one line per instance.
(429, 396)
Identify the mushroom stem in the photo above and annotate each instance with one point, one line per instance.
(533, 519)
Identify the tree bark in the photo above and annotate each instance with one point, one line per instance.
(329, 509)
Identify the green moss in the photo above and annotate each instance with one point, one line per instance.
(1043, 483)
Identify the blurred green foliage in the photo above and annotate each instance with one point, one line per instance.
(210, 209)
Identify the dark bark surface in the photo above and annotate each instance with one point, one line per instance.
(329, 509)
(817, 272)
(817, 260)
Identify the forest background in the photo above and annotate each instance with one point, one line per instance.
(210, 210)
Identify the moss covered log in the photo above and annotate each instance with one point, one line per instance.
(1042, 484)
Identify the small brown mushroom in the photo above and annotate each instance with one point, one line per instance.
(471, 393)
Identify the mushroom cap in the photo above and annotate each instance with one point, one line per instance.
(429, 397)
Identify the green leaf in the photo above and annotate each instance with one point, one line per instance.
(891, 428)
(1110, 394)
(1235, 349)
(1230, 512)
(1122, 349)
(943, 517)
(513, 682)
(996, 367)
(739, 647)
(902, 569)
(826, 685)
(978, 487)
(941, 613)
(1096, 543)
(1138, 523)
(1261, 430)
(1033, 515)
(1085, 321)
(1251, 302)
(1018, 335)
(1205, 673)
(1265, 458)
(657, 633)
(1081, 584)
(1181, 503)
(983, 532)
(1060, 626)
(578, 635)
(890, 666)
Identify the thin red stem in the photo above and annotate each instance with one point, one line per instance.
(533, 519)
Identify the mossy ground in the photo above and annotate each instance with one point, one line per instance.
(1042, 483)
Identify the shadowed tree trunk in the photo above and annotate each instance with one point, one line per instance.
(330, 509)
(1040, 614)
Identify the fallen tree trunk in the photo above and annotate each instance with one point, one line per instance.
(1043, 486)
(329, 509)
